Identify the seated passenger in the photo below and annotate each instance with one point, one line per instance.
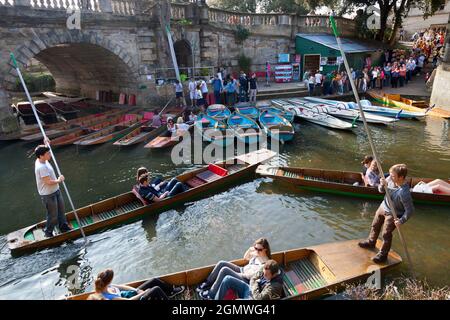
(181, 125)
(171, 128)
(266, 284)
(153, 289)
(192, 117)
(439, 186)
(156, 121)
(365, 165)
(156, 183)
(256, 255)
(156, 194)
(372, 177)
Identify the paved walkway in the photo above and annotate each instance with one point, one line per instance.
(416, 87)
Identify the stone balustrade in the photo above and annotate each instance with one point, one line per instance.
(190, 11)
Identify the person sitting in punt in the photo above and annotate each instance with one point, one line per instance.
(181, 125)
(365, 165)
(151, 194)
(266, 284)
(156, 121)
(192, 117)
(404, 208)
(157, 182)
(153, 289)
(256, 256)
(171, 128)
(439, 186)
(372, 177)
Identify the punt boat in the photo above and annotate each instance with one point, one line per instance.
(276, 127)
(62, 97)
(395, 101)
(342, 111)
(322, 119)
(307, 273)
(368, 107)
(214, 131)
(218, 111)
(45, 112)
(245, 129)
(64, 109)
(347, 183)
(130, 206)
(113, 132)
(164, 141)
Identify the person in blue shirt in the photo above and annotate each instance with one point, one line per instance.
(155, 194)
(230, 89)
(217, 88)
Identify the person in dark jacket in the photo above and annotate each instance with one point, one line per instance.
(266, 284)
(404, 208)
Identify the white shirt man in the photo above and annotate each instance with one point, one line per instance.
(318, 78)
(192, 86)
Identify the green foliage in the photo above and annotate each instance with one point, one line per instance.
(248, 6)
(183, 77)
(184, 22)
(204, 72)
(276, 6)
(36, 82)
(244, 63)
(241, 33)
(285, 6)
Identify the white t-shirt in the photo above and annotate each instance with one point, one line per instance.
(318, 77)
(182, 126)
(204, 87)
(42, 170)
(199, 94)
(178, 87)
(192, 86)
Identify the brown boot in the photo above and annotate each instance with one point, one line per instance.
(379, 258)
(366, 244)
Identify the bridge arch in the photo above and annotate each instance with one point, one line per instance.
(80, 62)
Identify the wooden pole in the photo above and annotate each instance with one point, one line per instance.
(369, 137)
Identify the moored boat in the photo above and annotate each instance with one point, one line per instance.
(113, 132)
(129, 206)
(218, 111)
(71, 137)
(307, 273)
(387, 112)
(214, 131)
(62, 96)
(245, 129)
(276, 126)
(342, 111)
(164, 141)
(248, 111)
(394, 101)
(45, 112)
(63, 109)
(346, 183)
(322, 119)
(286, 114)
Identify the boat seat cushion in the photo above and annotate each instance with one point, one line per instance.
(208, 176)
(135, 191)
(194, 182)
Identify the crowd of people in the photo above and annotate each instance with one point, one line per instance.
(430, 42)
(226, 89)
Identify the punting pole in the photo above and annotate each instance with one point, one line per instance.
(369, 137)
(48, 144)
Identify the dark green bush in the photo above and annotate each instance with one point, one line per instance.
(36, 82)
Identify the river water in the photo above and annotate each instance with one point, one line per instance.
(223, 225)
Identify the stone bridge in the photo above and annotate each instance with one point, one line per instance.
(120, 43)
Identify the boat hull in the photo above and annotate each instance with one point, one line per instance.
(314, 180)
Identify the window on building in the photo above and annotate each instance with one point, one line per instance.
(332, 61)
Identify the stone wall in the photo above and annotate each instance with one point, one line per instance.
(441, 88)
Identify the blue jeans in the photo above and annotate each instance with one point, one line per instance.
(243, 94)
(217, 96)
(311, 89)
(174, 187)
(220, 271)
(241, 288)
(54, 203)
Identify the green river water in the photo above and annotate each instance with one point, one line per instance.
(221, 226)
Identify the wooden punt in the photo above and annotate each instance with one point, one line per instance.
(394, 101)
(341, 183)
(62, 97)
(44, 111)
(70, 138)
(127, 206)
(162, 141)
(307, 273)
(276, 126)
(66, 110)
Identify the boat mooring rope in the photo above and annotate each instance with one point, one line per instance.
(47, 144)
(369, 137)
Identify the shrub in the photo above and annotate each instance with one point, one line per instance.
(36, 82)
(241, 33)
(244, 63)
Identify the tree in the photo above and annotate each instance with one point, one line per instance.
(248, 6)
(285, 6)
(399, 9)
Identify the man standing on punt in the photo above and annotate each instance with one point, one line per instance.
(403, 203)
(48, 188)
